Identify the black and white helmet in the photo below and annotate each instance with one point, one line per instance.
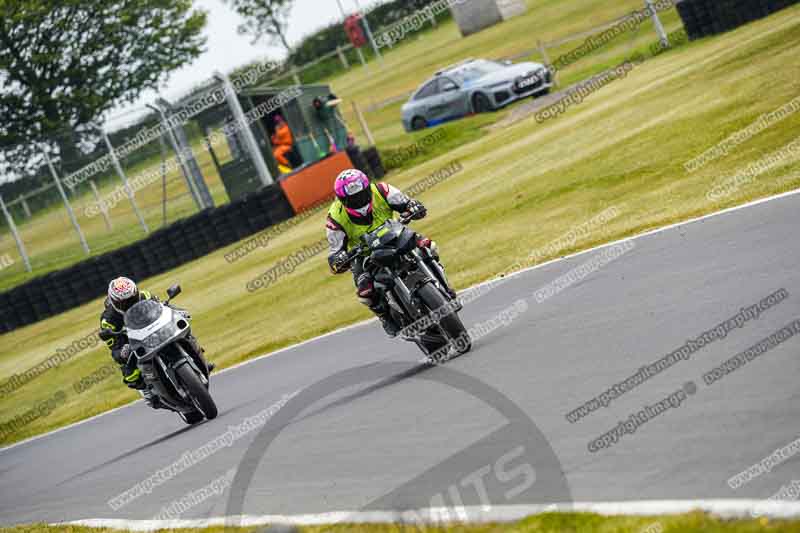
(122, 294)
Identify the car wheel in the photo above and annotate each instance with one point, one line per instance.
(418, 123)
(481, 104)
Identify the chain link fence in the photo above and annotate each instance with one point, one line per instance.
(116, 192)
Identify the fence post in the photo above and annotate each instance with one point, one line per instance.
(369, 32)
(244, 127)
(191, 163)
(662, 35)
(364, 125)
(70, 212)
(295, 76)
(102, 205)
(13, 228)
(361, 57)
(342, 58)
(432, 18)
(546, 58)
(25, 206)
(125, 183)
(163, 179)
(178, 155)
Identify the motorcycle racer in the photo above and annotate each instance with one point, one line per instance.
(361, 207)
(122, 295)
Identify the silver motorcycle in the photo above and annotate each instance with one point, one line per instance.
(158, 334)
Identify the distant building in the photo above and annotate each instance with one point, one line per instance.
(475, 15)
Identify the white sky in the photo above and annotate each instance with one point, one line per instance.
(226, 49)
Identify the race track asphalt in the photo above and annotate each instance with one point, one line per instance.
(488, 427)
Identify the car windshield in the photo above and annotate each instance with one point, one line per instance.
(476, 69)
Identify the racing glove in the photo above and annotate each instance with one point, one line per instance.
(415, 210)
(339, 263)
(131, 375)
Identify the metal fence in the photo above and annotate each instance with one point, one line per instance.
(79, 210)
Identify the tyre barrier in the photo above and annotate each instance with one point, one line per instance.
(161, 251)
(702, 18)
(373, 158)
(359, 161)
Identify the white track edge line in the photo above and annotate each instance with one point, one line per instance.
(647, 233)
(724, 508)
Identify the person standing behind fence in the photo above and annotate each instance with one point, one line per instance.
(282, 141)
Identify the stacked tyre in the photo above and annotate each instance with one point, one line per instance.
(373, 158)
(94, 274)
(275, 204)
(702, 18)
(238, 220)
(160, 245)
(221, 222)
(360, 162)
(7, 320)
(51, 294)
(197, 235)
(34, 292)
(21, 306)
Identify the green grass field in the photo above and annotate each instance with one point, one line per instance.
(545, 523)
(412, 61)
(521, 186)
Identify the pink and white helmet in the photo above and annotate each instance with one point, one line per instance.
(353, 190)
(122, 294)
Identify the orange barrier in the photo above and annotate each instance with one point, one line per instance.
(313, 185)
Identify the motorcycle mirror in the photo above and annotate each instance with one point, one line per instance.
(173, 291)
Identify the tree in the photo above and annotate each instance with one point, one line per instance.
(63, 63)
(264, 19)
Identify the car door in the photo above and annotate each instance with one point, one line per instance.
(427, 100)
(452, 101)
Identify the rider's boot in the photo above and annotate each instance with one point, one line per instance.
(389, 325)
(151, 399)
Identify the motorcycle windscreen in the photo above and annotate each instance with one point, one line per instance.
(142, 314)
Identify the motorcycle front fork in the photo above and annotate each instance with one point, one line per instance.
(438, 267)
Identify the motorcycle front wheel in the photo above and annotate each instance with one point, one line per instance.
(192, 418)
(450, 325)
(202, 398)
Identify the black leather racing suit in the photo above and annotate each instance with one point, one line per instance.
(114, 320)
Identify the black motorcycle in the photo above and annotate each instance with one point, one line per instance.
(411, 282)
(171, 367)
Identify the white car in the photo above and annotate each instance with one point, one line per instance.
(473, 86)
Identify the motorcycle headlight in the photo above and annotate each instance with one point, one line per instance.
(157, 338)
(152, 341)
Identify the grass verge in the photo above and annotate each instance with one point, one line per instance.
(544, 523)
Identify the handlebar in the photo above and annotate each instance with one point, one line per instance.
(358, 250)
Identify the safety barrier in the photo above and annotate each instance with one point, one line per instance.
(709, 17)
